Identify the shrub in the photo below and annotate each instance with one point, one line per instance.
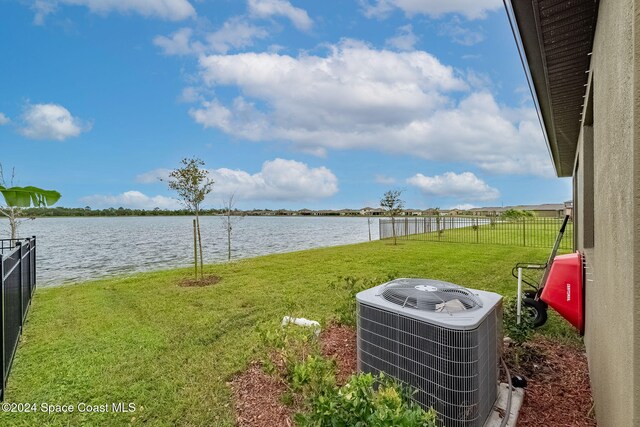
(519, 333)
(288, 345)
(346, 288)
(313, 376)
(519, 352)
(514, 214)
(366, 401)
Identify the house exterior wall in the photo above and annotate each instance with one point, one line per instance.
(612, 289)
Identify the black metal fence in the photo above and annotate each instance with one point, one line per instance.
(17, 284)
(532, 232)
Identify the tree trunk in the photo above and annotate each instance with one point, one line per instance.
(13, 223)
(228, 237)
(393, 229)
(200, 245)
(195, 250)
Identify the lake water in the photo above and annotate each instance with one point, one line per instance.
(78, 249)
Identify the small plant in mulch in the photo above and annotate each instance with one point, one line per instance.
(346, 288)
(366, 400)
(557, 391)
(518, 351)
(208, 280)
(304, 378)
(286, 346)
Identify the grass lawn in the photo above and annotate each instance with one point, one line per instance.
(171, 350)
(535, 232)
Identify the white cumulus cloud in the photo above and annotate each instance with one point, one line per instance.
(50, 121)
(4, 119)
(235, 33)
(465, 185)
(268, 8)
(404, 39)
(179, 43)
(278, 180)
(170, 10)
(131, 199)
(471, 9)
(461, 33)
(357, 97)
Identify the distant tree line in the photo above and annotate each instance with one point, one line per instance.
(87, 211)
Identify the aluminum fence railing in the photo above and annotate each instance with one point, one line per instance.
(17, 284)
(532, 232)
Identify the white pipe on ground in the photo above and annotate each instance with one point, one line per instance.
(519, 306)
(301, 321)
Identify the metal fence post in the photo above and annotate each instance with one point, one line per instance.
(33, 277)
(524, 232)
(477, 228)
(20, 281)
(3, 375)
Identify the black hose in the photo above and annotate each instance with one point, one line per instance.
(508, 409)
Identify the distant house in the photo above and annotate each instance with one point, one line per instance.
(413, 212)
(326, 212)
(372, 211)
(547, 210)
(348, 212)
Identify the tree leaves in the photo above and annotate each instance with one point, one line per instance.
(191, 182)
(24, 197)
(391, 202)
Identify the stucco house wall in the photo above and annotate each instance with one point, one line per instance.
(609, 239)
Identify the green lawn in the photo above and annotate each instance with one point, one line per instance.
(537, 232)
(170, 350)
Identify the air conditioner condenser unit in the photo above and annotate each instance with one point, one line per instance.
(441, 339)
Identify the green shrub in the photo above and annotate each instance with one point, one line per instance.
(313, 376)
(366, 401)
(515, 214)
(346, 289)
(287, 345)
(519, 333)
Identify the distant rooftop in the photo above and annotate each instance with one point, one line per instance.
(542, 207)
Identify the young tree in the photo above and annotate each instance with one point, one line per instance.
(392, 204)
(17, 198)
(192, 183)
(229, 205)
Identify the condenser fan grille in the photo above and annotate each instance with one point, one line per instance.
(428, 295)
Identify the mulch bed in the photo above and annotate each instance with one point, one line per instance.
(257, 399)
(205, 281)
(557, 395)
(257, 395)
(339, 342)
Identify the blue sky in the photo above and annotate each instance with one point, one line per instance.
(291, 104)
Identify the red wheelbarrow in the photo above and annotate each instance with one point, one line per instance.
(561, 286)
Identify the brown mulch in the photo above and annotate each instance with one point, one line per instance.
(258, 396)
(558, 393)
(257, 399)
(339, 342)
(205, 281)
